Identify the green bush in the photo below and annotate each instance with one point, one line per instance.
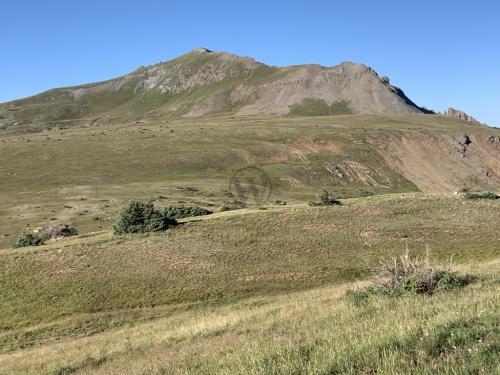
(140, 217)
(481, 195)
(179, 212)
(326, 199)
(30, 239)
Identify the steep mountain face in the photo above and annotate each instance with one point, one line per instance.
(203, 82)
(460, 115)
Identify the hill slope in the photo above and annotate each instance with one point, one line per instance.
(203, 82)
(84, 175)
(135, 304)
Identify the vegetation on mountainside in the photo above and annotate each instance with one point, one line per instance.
(481, 195)
(39, 237)
(181, 211)
(326, 198)
(30, 239)
(66, 230)
(319, 107)
(141, 217)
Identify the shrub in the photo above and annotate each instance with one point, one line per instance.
(464, 190)
(140, 217)
(30, 239)
(66, 230)
(326, 199)
(396, 277)
(178, 212)
(230, 205)
(481, 195)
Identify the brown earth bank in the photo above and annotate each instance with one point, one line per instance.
(440, 162)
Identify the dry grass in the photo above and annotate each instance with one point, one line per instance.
(312, 332)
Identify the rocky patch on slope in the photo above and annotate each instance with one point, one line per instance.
(460, 115)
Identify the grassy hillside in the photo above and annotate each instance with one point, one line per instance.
(84, 175)
(228, 288)
(93, 283)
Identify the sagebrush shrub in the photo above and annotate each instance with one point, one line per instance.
(414, 275)
(406, 275)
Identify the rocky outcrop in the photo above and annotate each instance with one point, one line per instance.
(460, 115)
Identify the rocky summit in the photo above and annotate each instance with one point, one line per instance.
(460, 115)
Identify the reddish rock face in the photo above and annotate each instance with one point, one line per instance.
(460, 115)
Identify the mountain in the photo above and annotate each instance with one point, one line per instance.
(203, 82)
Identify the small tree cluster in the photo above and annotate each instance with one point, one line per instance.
(481, 195)
(179, 212)
(140, 217)
(326, 198)
(38, 238)
(30, 239)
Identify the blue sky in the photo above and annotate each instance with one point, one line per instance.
(441, 53)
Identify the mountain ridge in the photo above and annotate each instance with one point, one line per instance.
(204, 82)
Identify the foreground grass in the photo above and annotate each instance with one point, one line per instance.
(312, 332)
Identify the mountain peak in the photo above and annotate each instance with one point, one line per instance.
(201, 50)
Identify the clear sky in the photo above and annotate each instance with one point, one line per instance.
(441, 53)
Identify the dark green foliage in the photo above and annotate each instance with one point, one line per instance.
(481, 195)
(178, 212)
(326, 199)
(319, 107)
(464, 190)
(66, 230)
(409, 276)
(140, 217)
(30, 239)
